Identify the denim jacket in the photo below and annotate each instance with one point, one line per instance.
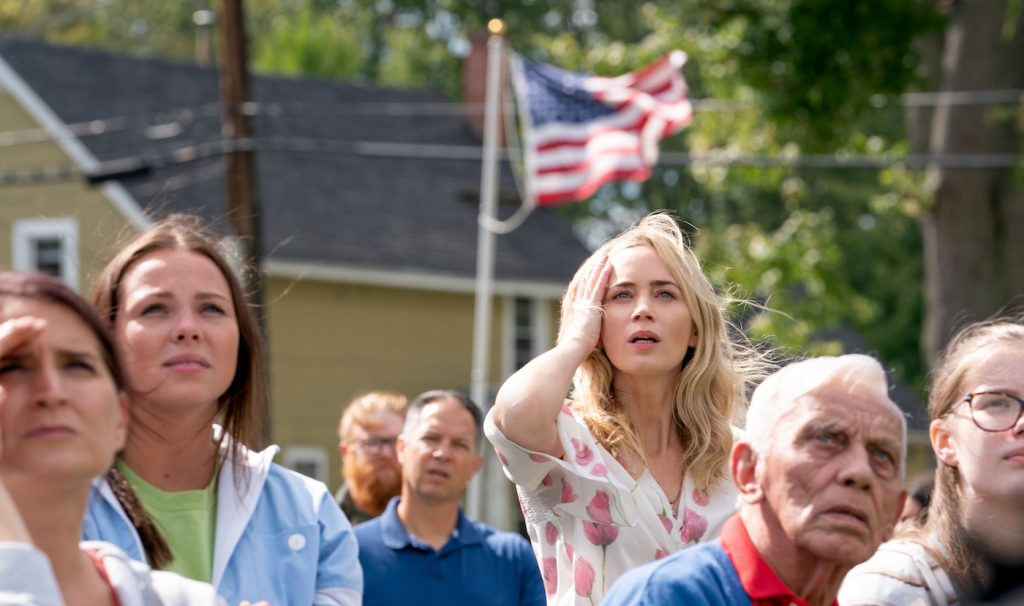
(280, 537)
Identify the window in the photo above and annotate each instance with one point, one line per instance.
(310, 461)
(527, 331)
(49, 246)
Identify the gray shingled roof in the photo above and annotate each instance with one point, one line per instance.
(415, 214)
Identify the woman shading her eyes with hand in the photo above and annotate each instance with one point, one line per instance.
(62, 418)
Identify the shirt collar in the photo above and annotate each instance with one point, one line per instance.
(757, 577)
(396, 536)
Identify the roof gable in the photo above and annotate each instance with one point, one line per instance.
(388, 211)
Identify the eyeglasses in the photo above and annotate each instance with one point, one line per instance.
(992, 411)
(374, 445)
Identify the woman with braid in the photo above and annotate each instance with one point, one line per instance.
(196, 380)
(62, 418)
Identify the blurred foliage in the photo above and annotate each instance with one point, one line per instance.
(817, 248)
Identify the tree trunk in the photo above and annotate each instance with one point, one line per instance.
(974, 229)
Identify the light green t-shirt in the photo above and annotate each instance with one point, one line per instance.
(187, 520)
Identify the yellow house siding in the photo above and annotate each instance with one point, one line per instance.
(331, 342)
(99, 223)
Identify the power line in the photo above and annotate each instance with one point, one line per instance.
(148, 162)
(169, 123)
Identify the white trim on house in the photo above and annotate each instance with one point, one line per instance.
(297, 457)
(540, 331)
(420, 280)
(26, 232)
(41, 113)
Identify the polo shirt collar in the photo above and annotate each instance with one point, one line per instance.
(396, 536)
(757, 577)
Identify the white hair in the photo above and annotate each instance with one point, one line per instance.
(779, 393)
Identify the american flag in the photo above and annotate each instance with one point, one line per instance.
(582, 131)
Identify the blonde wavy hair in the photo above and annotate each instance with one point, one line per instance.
(710, 390)
(960, 559)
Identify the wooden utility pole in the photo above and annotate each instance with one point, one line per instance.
(243, 206)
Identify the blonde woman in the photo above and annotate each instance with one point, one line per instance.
(634, 465)
(971, 548)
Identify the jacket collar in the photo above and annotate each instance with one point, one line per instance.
(236, 502)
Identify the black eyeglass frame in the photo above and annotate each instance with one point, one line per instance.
(970, 405)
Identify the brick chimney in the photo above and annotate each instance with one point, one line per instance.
(474, 86)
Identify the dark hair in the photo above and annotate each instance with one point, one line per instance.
(412, 415)
(48, 288)
(242, 409)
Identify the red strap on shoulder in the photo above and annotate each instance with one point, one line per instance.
(98, 560)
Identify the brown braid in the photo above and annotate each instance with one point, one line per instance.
(157, 551)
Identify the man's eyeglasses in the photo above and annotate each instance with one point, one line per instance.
(993, 411)
(374, 445)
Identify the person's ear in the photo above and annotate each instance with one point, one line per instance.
(693, 338)
(342, 448)
(943, 442)
(478, 461)
(743, 463)
(399, 448)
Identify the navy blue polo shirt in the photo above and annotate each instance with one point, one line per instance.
(478, 565)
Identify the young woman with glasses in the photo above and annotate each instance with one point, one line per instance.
(972, 545)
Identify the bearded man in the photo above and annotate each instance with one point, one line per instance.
(369, 427)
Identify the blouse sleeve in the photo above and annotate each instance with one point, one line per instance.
(26, 578)
(553, 486)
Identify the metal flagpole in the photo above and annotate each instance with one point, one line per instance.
(485, 244)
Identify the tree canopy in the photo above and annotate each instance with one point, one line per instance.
(814, 247)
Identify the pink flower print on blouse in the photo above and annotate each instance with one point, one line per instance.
(550, 573)
(550, 533)
(693, 528)
(583, 577)
(700, 497)
(568, 551)
(599, 470)
(661, 553)
(583, 453)
(537, 458)
(547, 480)
(501, 457)
(601, 531)
(565, 410)
(568, 496)
(666, 522)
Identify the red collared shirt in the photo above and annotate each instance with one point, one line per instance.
(760, 582)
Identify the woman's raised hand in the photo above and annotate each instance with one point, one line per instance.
(587, 315)
(13, 334)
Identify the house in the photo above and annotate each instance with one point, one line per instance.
(370, 250)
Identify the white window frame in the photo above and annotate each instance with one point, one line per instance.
(540, 330)
(307, 455)
(28, 231)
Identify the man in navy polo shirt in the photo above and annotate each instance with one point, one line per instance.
(820, 475)
(423, 550)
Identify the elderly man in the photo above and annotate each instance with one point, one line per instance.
(820, 478)
(423, 550)
(366, 442)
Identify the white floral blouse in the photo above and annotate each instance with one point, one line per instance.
(590, 521)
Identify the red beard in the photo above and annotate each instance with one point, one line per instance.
(372, 483)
